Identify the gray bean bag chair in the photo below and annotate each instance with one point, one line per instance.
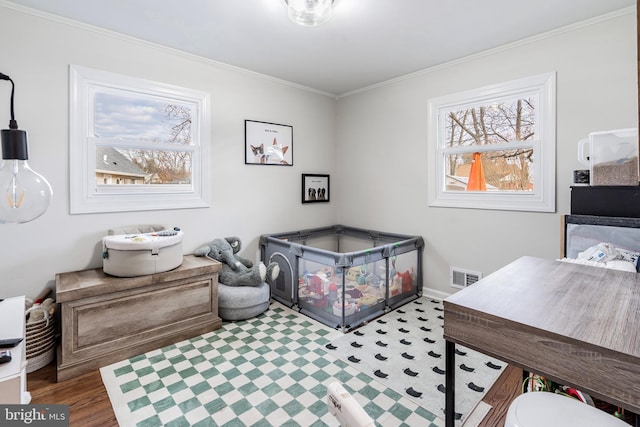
(242, 302)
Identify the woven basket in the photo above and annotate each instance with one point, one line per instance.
(40, 341)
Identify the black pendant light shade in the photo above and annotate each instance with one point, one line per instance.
(14, 144)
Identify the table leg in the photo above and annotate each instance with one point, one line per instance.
(449, 403)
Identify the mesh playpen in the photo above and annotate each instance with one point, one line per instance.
(344, 276)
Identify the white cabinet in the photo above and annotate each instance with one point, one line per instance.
(13, 375)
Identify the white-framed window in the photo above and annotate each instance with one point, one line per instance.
(494, 147)
(136, 144)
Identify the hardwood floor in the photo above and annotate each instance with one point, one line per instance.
(86, 396)
(500, 396)
(89, 404)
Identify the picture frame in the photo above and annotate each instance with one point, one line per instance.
(315, 188)
(268, 144)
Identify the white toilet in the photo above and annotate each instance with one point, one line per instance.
(536, 409)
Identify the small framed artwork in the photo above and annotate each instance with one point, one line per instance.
(315, 188)
(268, 144)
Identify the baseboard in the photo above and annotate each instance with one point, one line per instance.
(432, 293)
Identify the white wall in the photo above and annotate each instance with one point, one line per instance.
(247, 200)
(382, 150)
(373, 144)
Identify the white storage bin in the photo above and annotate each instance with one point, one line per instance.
(612, 157)
(130, 255)
(535, 409)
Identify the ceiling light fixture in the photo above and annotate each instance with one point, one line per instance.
(310, 13)
(27, 193)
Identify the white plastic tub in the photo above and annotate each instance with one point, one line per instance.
(130, 255)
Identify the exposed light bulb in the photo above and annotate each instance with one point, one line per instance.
(24, 194)
(27, 194)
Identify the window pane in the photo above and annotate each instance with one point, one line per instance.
(141, 119)
(491, 123)
(501, 171)
(138, 166)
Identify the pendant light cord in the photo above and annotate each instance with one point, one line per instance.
(12, 123)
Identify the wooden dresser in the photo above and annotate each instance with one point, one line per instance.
(105, 319)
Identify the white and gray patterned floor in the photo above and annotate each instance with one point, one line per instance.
(404, 350)
(272, 370)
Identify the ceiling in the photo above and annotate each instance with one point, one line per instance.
(365, 43)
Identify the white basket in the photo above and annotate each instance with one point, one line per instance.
(40, 340)
(41, 361)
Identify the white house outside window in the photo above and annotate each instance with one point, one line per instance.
(494, 147)
(136, 144)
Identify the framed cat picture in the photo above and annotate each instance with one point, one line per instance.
(315, 188)
(268, 144)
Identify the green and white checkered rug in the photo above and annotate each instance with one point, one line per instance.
(268, 371)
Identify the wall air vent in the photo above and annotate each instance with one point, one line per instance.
(461, 278)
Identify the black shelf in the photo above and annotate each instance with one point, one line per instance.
(612, 201)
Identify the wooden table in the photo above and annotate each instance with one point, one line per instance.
(574, 324)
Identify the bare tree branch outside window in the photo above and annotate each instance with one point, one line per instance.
(164, 166)
(154, 139)
(509, 121)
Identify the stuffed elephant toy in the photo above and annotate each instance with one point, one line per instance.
(237, 271)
